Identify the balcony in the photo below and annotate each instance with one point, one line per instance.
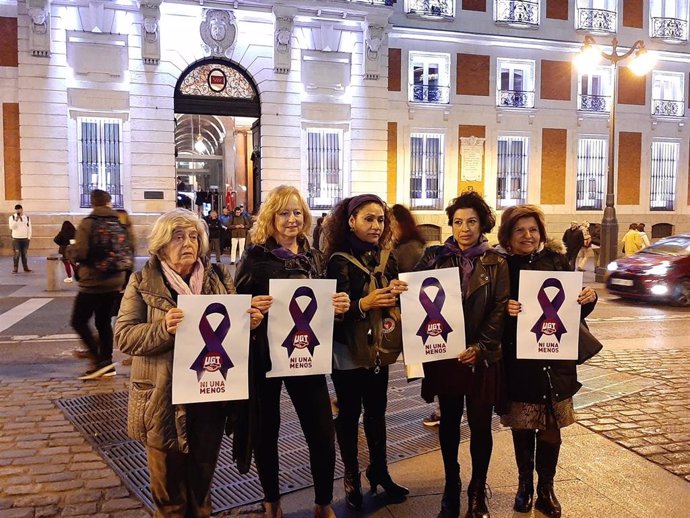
(666, 108)
(597, 20)
(670, 29)
(431, 8)
(595, 103)
(430, 94)
(523, 13)
(515, 99)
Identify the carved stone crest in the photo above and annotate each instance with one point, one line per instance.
(150, 32)
(218, 32)
(373, 41)
(39, 27)
(282, 39)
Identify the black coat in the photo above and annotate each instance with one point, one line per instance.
(532, 381)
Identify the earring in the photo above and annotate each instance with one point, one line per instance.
(352, 229)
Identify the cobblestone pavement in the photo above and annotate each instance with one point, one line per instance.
(655, 422)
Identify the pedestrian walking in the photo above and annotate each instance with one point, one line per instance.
(20, 228)
(540, 392)
(63, 239)
(474, 378)
(573, 239)
(632, 240)
(103, 252)
(238, 226)
(182, 441)
(358, 237)
(643, 235)
(586, 250)
(281, 251)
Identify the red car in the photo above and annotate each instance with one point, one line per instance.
(658, 272)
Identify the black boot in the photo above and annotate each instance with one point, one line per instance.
(523, 442)
(377, 472)
(476, 500)
(347, 440)
(450, 503)
(353, 490)
(547, 460)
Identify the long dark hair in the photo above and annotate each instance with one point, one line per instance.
(337, 228)
(407, 224)
(68, 229)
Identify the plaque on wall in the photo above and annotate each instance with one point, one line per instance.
(153, 195)
(471, 159)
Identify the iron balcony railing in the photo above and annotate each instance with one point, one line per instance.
(516, 98)
(597, 20)
(523, 12)
(441, 8)
(667, 108)
(430, 94)
(595, 103)
(672, 29)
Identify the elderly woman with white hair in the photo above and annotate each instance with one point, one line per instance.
(182, 441)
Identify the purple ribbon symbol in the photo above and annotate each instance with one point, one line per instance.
(213, 356)
(433, 324)
(550, 323)
(301, 335)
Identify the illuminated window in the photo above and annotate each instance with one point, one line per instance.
(426, 170)
(669, 20)
(324, 167)
(100, 158)
(515, 83)
(429, 78)
(511, 171)
(667, 94)
(592, 166)
(662, 189)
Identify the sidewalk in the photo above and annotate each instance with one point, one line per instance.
(49, 469)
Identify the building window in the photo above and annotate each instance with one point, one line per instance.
(591, 173)
(324, 167)
(669, 20)
(100, 159)
(594, 90)
(426, 170)
(511, 171)
(598, 16)
(521, 13)
(667, 94)
(515, 83)
(436, 8)
(662, 191)
(430, 78)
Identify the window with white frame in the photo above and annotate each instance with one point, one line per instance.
(440, 8)
(592, 156)
(662, 188)
(426, 170)
(521, 13)
(511, 171)
(599, 16)
(668, 93)
(429, 78)
(594, 90)
(324, 167)
(99, 156)
(515, 83)
(669, 20)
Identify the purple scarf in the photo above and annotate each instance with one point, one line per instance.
(466, 258)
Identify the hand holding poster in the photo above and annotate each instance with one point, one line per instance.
(432, 318)
(211, 349)
(548, 325)
(300, 327)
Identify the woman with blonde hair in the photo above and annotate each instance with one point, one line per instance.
(280, 250)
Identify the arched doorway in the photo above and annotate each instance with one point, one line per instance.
(217, 137)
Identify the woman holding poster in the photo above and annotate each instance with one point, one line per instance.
(540, 391)
(358, 235)
(475, 376)
(281, 250)
(182, 441)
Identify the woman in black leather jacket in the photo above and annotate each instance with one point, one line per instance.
(360, 228)
(540, 391)
(475, 376)
(281, 251)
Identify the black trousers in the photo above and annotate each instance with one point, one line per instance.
(309, 395)
(100, 305)
(20, 247)
(481, 441)
(181, 482)
(357, 389)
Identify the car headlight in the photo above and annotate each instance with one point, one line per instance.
(659, 269)
(613, 266)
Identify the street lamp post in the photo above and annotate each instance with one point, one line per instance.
(588, 58)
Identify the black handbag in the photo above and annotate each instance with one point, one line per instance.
(588, 346)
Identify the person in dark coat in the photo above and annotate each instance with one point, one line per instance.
(573, 239)
(475, 377)
(408, 242)
(540, 392)
(281, 251)
(67, 233)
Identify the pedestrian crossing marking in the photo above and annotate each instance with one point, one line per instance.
(23, 310)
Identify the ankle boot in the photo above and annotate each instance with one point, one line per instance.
(450, 503)
(377, 472)
(523, 442)
(273, 510)
(476, 500)
(353, 490)
(546, 462)
(379, 476)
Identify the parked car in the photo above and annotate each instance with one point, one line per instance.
(658, 272)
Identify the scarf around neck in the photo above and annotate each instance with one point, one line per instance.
(196, 281)
(466, 258)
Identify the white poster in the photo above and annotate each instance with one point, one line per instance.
(211, 349)
(300, 327)
(432, 319)
(548, 326)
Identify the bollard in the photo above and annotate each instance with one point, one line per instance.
(53, 265)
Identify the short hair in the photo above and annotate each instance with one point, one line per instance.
(473, 200)
(633, 226)
(511, 216)
(640, 227)
(164, 227)
(99, 198)
(237, 208)
(276, 201)
(18, 206)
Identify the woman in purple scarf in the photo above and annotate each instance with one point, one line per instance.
(474, 377)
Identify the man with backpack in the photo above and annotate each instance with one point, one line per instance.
(103, 252)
